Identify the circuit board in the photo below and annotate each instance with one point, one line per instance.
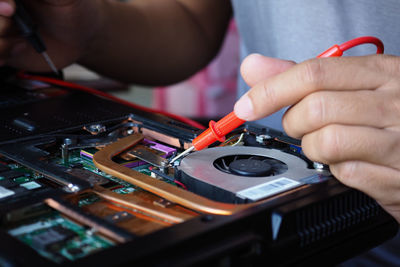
(15, 175)
(92, 183)
(55, 236)
(59, 239)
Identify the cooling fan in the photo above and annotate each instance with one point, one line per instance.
(250, 165)
(242, 174)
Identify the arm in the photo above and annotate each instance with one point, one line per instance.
(158, 41)
(142, 41)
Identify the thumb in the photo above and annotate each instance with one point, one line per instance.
(256, 68)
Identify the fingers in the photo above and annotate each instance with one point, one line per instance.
(379, 182)
(9, 46)
(7, 8)
(338, 143)
(375, 108)
(256, 68)
(5, 26)
(345, 109)
(289, 87)
(7, 37)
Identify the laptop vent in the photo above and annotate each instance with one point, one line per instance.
(322, 220)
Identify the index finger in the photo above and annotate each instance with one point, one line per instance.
(289, 87)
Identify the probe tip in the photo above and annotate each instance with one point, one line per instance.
(50, 62)
(184, 153)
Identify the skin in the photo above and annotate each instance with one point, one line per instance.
(135, 36)
(345, 110)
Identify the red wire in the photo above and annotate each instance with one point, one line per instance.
(181, 184)
(175, 181)
(92, 91)
(343, 47)
(363, 40)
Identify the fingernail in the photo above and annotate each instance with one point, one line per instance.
(6, 9)
(244, 108)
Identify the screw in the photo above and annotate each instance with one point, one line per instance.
(318, 166)
(262, 137)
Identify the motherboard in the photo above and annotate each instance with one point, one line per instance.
(84, 180)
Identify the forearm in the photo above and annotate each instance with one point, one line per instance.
(157, 41)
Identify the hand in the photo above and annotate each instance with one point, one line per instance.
(67, 27)
(345, 110)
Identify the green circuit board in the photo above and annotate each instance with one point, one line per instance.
(60, 239)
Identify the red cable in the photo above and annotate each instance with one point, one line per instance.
(92, 91)
(218, 130)
(363, 40)
(175, 181)
(337, 50)
(181, 184)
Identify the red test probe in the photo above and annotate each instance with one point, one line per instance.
(218, 130)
